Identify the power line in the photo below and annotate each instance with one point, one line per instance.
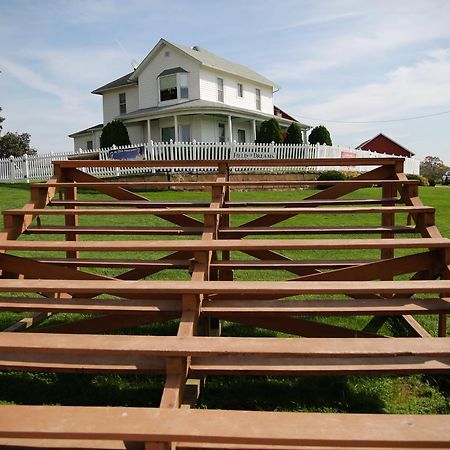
(376, 121)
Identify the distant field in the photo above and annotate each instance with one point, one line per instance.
(413, 394)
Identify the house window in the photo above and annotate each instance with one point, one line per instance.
(122, 103)
(258, 99)
(89, 145)
(184, 133)
(168, 87)
(167, 134)
(240, 90)
(184, 92)
(220, 89)
(221, 132)
(173, 86)
(241, 136)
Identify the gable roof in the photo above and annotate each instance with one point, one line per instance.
(87, 130)
(207, 59)
(120, 82)
(386, 137)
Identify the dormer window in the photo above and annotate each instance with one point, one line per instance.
(168, 87)
(173, 84)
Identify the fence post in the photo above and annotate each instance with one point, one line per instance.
(27, 169)
(12, 170)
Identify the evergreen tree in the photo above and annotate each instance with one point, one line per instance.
(320, 135)
(114, 133)
(269, 131)
(294, 134)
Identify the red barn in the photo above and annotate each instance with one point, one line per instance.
(383, 144)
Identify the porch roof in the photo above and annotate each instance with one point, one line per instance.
(200, 107)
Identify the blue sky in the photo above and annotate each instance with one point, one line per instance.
(335, 61)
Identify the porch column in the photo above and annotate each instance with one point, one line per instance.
(175, 124)
(253, 130)
(149, 131)
(230, 129)
(305, 136)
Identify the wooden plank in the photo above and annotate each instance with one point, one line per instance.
(229, 183)
(89, 305)
(68, 444)
(233, 163)
(338, 307)
(181, 346)
(115, 230)
(228, 233)
(120, 263)
(240, 204)
(256, 365)
(283, 288)
(228, 211)
(241, 427)
(225, 244)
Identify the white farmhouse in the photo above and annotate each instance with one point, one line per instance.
(183, 93)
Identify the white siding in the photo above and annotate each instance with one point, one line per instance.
(111, 102)
(81, 141)
(148, 79)
(208, 91)
(136, 133)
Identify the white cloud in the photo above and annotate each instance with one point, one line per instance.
(406, 91)
(36, 81)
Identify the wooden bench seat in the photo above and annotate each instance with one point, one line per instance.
(304, 430)
(337, 307)
(247, 288)
(229, 307)
(224, 232)
(240, 204)
(225, 244)
(230, 183)
(209, 355)
(225, 211)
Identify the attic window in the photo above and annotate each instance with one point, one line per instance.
(167, 53)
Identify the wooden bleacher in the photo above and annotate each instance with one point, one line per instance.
(406, 273)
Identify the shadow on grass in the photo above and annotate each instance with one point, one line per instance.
(79, 389)
(321, 394)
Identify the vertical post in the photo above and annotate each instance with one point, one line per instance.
(12, 170)
(253, 130)
(175, 124)
(230, 129)
(149, 131)
(27, 168)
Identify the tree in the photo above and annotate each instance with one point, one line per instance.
(432, 168)
(114, 133)
(1, 120)
(269, 131)
(294, 134)
(320, 135)
(15, 144)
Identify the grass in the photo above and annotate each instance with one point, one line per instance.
(389, 394)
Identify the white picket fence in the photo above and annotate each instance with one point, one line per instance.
(40, 167)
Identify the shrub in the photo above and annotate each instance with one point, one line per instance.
(320, 135)
(422, 180)
(330, 175)
(294, 134)
(114, 133)
(432, 182)
(269, 131)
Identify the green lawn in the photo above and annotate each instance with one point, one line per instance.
(413, 394)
